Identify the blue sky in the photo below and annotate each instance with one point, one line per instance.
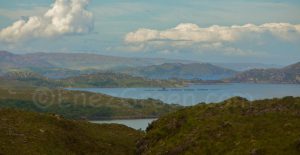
(113, 20)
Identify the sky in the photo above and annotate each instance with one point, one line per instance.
(260, 31)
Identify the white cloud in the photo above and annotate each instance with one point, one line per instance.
(245, 40)
(189, 32)
(65, 17)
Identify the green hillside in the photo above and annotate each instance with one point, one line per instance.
(81, 105)
(28, 78)
(235, 126)
(105, 79)
(289, 74)
(32, 133)
(203, 71)
(108, 79)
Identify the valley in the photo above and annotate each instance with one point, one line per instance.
(171, 77)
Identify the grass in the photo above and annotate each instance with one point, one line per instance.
(81, 105)
(32, 133)
(95, 80)
(235, 126)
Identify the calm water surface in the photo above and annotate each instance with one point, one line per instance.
(133, 123)
(194, 94)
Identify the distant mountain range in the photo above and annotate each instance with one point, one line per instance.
(246, 66)
(57, 64)
(12, 61)
(203, 71)
(76, 61)
(289, 74)
(70, 65)
(61, 65)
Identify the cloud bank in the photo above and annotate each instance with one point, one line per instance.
(239, 40)
(193, 33)
(64, 17)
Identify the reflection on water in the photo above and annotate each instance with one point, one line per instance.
(202, 93)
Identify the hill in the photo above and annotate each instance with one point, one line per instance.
(29, 79)
(109, 79)
(9, 61)
(81, 105)
(235, 126)
(289, 74)
(33, 133)
(83, 61)
(62, 65)
(246, 66)
(203, 71)
(100, 79)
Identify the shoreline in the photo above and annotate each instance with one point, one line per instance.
(122, 118)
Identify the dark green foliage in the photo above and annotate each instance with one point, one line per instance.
(31, 133)
(29, 79)
(235, 126)
(105, 79)
(81, 105)
(109, 80)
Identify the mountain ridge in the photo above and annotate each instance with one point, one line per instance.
(204, 71)
(234, 126)
(288, 74)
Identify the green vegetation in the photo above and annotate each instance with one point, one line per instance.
(289, 74)
(118, 80)
(32, 133)
(28, 78)
(106, 79)
(81, 105)
(235, 126)
(182, 71)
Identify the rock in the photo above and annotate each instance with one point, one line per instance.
(42, 131)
